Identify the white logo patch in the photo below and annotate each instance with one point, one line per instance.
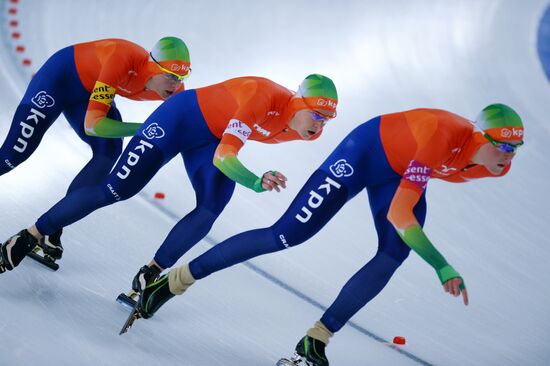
(8, 163)
(238, 129)
(153, 131)
(341, 169)
(43, 100)
(511, 132)
(261, 130)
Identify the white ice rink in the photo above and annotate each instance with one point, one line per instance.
(383, 57)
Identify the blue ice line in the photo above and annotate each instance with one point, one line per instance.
(287, 287)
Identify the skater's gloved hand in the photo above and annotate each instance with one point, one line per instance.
(452, 282)
(273, 180)
(456, 287)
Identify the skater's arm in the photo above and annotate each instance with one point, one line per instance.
(108, 127)
(225, 159)
(404, 221)
(253, 105)
(96, 122)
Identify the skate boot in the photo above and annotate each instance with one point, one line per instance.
(15, 249)
(51, 245)
(309, 352)
(144, 277)
(154, 296)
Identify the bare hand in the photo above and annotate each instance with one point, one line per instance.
(273, 180)
(453, 287)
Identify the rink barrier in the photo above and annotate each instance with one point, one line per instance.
(13, 38)
(543, 42)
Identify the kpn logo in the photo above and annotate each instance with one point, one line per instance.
(512, 132)
(324, 102)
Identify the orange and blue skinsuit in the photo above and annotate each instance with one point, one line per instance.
(257, 109)
(393, 157)
(208, 127)
(81, 82)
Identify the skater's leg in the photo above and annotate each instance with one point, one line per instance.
(374, 276)
(139, 162)
(339, 179)
(290, 230)
(137, 165)
(53, 87)
(105, 151)
(213, 190)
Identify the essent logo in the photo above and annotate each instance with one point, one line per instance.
(418, 174)
(103, 93)
(238, 129)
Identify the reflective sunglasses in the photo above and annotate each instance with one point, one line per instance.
(318, 117)
(170, 75)
(503, 147)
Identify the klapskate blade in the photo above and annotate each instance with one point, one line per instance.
(44, 261)
(126, 300)
(134, 315)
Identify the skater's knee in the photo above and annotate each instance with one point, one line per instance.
(108, 150)
(205, 215)
(10, 158)
(389, 261)
(397, 253)
(115, 194)
(6, 164)
(288, 238)
(214, 201)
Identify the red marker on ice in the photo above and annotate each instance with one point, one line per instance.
(399, 340)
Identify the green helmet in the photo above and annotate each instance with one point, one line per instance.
(172, 54)
(500, 122)
(319, 94)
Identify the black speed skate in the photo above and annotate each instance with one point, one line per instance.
(309, 352)
(15, 249)
(145, 276)
(149, 301)
(48, 250)
(51, 245)
(154, 296)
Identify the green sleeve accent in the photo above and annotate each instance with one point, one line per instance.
(235, 170)
(415, 238)
(107, 127)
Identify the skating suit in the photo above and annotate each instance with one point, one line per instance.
(387, 156)
(197, 124)
(81, 82)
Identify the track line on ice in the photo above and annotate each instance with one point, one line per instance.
(287, 287)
